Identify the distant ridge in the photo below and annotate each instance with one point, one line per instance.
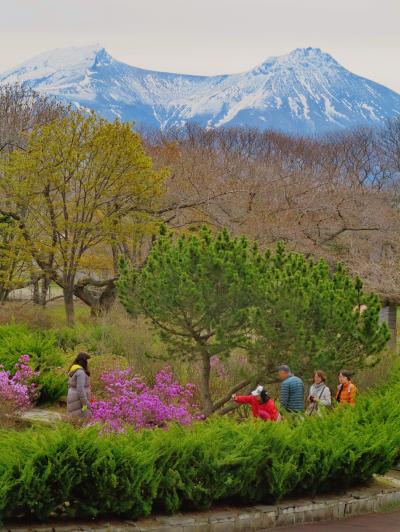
(304, 92)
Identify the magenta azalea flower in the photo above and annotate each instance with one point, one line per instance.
(132, 402)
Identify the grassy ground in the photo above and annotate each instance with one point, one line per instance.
(51, 316)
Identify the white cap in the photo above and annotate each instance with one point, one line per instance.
(257, 391)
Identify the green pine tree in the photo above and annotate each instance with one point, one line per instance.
(309, 318)
(209, 295)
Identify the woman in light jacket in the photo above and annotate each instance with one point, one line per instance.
(79, 387)
(320, 394)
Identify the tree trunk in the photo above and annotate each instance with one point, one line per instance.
(36, 294)
(44, 288)
(99, 301)
(69, 305)
(3, 295)
(108, 297)
(205, 384)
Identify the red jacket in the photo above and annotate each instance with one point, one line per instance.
(265, 411)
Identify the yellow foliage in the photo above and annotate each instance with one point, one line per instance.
(81, 183)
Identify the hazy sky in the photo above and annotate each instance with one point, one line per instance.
(208, 36)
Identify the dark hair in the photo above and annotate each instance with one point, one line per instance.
(82, 360)
(320, 374)
(346, 373)
(264, 397)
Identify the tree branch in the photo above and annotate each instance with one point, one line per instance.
(194, 203)
(88, 281)
(344, 230)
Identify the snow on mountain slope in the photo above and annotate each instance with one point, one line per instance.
(305, 91)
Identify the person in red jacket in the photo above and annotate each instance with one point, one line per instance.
(261, 404)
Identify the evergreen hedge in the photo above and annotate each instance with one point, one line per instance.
(83, 473)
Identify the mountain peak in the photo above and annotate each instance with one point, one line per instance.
(307, 52)
(311, 54)
(299, 57)
(65, 58)
(102, 57)
(304, 91)
(73, 62)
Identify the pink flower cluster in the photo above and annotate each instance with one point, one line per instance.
(18, 391)
(132, 402)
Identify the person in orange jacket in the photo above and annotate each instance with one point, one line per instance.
(346, 391)
(261, 404)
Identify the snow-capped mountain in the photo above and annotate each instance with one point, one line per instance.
(305, 91)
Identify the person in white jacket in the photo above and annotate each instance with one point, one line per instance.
(319, 394)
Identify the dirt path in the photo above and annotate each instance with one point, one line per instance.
(381, 522)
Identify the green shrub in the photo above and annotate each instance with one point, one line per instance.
(18, 339)
(68, 338)
(45, 355)
(83, 473)
(53, 386)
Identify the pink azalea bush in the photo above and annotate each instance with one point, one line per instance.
(130, 401)
(18, 391)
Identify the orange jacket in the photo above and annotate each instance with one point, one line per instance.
(346, 393)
